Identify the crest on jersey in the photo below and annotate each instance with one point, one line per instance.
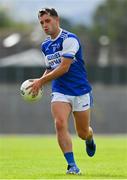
(55, 47)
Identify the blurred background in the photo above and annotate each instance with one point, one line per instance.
(102, 28)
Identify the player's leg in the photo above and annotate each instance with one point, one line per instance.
(84, 131)
(61, 112)
(82, 124)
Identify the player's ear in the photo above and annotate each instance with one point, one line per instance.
(57, 19)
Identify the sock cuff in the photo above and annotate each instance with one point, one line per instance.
(69, 156)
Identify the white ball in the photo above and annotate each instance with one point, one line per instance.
(25, 92)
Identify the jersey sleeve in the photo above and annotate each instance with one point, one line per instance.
(70, 47)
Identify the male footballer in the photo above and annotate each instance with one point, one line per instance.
(71, 91)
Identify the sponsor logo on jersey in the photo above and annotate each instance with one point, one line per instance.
(54, 59)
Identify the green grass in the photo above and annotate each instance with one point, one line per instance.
(39, 157)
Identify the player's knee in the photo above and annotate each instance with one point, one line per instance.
(83, 134)
(59, 124)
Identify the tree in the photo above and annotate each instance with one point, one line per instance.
(5, 20)
(7, 23)
(110, 20)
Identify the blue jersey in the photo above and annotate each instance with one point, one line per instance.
(67, 45)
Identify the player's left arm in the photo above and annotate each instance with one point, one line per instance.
(59, 71)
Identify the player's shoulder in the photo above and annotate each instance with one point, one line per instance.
(46, 41)
(66, 34)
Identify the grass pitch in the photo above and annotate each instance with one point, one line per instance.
(39, 157)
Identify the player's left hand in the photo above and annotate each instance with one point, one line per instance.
(34, 87)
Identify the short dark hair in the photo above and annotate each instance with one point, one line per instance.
(51, 12)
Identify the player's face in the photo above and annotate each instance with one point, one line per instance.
(50, 25)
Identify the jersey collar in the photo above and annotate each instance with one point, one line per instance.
(57, 36)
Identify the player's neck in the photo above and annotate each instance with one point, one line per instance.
(56, 34)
